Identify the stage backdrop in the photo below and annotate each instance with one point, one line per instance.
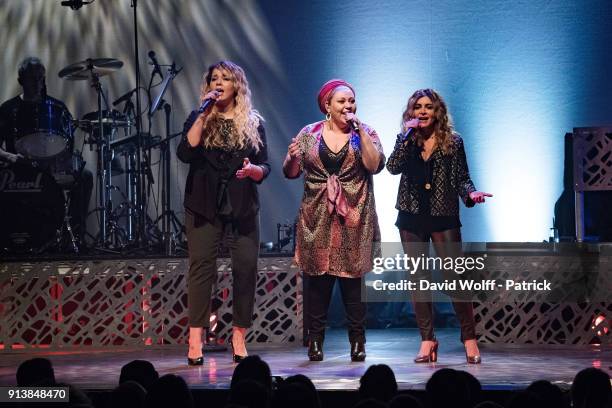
(516, 76)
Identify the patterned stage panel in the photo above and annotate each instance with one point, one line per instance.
(582, 282)
(143, 302)
(592, 158)
(135, 302)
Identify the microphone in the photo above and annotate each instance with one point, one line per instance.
(124, 98)
(407, 135)
(205, 104)
(354, 125)
(155, 64)
(75, 4)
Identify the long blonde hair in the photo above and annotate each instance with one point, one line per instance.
(443, 126)
(246, 119)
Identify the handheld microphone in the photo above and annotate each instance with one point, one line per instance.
(205, 104)
(407, 134)
(354, 125)
(155, 64)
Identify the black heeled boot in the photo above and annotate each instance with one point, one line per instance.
(315, 350)
(358, 352)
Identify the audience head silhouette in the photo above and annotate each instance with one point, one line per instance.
(448, 388)
(36, 371)
(591, 389)
(140, 371)
(378, 382)
(169, 391)
(253, 368)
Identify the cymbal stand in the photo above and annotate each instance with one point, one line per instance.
(103, 173)
(66, 227)
(131, 181)
(107, 223)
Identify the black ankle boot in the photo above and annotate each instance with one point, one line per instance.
(358, 352)
(315, 350)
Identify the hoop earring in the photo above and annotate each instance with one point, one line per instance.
(328, 116)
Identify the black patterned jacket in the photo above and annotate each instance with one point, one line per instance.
(451, 178)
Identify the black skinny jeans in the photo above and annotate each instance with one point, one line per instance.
(203, 239)
(423, 307)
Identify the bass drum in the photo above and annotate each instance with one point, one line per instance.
(43, 129)
(31, 208)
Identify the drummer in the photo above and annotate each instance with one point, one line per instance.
(31, 77)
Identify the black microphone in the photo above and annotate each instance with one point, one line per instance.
(205, 104)
(75, 4)
(354, 125)
(407, 135)
(124, 98)
(155, 64)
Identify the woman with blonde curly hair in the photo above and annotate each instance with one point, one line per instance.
(431, 159)
(224, 143)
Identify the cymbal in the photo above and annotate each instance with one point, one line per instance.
(110, 120)
(113, 116)
(85, 69)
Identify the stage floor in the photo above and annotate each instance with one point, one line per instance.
(504, 367)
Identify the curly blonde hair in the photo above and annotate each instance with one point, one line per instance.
(443, 126)
(246, 119)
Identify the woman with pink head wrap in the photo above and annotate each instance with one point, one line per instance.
(337, 233)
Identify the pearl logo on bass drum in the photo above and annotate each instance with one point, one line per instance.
(10, 184)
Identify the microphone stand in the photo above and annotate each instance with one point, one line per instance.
(167, 216)
(141, 207)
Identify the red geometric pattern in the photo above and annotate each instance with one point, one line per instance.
(138, 302)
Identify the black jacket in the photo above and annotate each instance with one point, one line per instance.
(451, 178)
(209, 168)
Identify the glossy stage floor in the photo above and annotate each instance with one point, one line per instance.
(505, 367)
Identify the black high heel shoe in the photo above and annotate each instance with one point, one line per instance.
(236, 358)
(431, 357)
(315, 350)
(358, 352)
(195, 361)
(198, 361)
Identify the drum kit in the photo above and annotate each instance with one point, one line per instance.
(35, 192)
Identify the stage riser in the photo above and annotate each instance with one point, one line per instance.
(134, 303)
(143, 302)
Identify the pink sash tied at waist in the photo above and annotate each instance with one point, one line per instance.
(335, 197)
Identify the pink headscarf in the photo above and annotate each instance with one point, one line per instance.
(328, 88)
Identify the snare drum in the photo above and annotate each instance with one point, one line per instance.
(31, 208)
(42, 130)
